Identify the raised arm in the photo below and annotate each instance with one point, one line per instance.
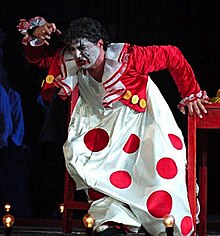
(37, 33)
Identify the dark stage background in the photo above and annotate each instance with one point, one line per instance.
(191, 25)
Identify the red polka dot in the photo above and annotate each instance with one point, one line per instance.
(120, 179)
(176, 141)
(166, 168)
(95, 195)
(132, 144)
(159, 203)
(186, 225)
(96, 139)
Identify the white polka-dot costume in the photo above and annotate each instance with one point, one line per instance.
(130, 158)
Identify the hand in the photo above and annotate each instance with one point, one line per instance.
(45, 31)
(196, 106)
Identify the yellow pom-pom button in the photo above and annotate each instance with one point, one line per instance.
(142, 103)
(50, 79)
(134, 99)
(127, 95)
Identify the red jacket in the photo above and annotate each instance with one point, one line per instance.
(133, 65)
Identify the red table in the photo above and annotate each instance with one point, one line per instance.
(199, 127)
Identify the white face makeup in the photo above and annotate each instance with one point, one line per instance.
(85, 53)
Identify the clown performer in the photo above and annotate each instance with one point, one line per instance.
(124, 147)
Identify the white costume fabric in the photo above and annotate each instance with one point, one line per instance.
(135, 158)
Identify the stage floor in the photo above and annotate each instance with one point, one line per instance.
(17, 231)
(52, 232)
(53, 227)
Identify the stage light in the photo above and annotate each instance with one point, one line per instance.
(61, 208)
(89, 221)
(7, 207)
(169, 222)
(8, 221)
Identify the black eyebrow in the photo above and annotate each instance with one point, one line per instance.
(81, 45)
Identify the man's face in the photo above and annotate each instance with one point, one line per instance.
(85, 53)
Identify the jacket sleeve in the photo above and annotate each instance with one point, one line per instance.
(42, 56)
(155, 58)
(45, 58)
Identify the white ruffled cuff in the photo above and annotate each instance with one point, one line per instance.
(25, 25)
(192, 97)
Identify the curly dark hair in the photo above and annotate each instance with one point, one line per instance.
(86, 27)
